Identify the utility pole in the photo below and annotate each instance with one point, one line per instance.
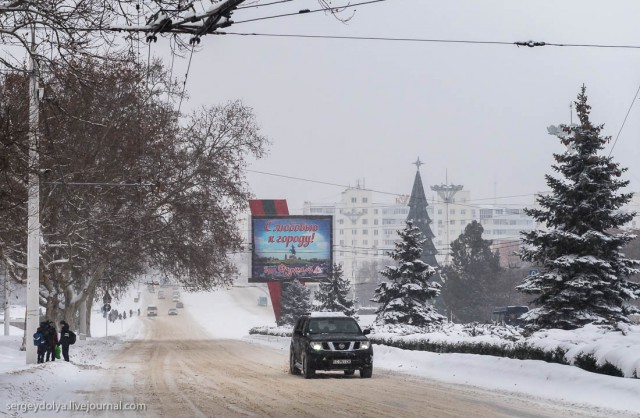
(33, 207)
(7, 295)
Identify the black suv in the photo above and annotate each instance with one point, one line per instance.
(329, 341)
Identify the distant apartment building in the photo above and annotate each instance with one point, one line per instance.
(502, 223)
(449, 219)
(364, 231)
(633, 206)
(503, 226)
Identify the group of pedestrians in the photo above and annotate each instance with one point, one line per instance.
(46, 339)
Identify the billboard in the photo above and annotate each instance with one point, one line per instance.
(291, 247)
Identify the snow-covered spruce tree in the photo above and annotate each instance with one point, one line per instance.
(406, 299)
(333, 293)
(583, 274)
(295, 302)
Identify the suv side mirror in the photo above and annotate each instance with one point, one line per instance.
(297, 333)
(366, 331)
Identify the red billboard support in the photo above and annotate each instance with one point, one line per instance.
(279, 208)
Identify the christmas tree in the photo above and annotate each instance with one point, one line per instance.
(420, 217)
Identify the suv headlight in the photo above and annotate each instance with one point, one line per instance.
(316, 346)
(364, 345)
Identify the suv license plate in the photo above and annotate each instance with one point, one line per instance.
(342, 361)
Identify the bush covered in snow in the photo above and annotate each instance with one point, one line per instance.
(283, 331)
(597, 349)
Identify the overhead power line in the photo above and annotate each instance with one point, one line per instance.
(530, 44)
(625, 120)
(380, 191)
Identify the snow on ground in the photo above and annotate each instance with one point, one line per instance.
(55, 384)
(231, 313)
(618, 348)
(533, 378)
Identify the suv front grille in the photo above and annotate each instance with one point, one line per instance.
(341, 345)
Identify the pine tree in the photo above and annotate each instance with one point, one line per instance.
(294, 303)
(333, 293)
(583, 274)
(473, 278)
(406, 298)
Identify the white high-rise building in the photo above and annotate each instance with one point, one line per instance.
(449, 218)
(363, 231)
(633, 206)
(366, 231)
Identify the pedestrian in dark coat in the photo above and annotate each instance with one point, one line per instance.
(42, 348)
(65, 339)
(52, 341)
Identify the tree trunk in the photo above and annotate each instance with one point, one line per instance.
(89, 300)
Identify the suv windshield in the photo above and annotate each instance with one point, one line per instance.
(333, 326)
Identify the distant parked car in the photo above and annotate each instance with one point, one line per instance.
(179, 304)
(173, 311)
(160, 294)
(152, 310)
(509, 315)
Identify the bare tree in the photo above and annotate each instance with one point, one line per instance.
(126, 186)
(69, 28)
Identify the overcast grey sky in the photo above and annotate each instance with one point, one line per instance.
(339, 110)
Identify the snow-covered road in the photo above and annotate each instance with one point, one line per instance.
(179, 370)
